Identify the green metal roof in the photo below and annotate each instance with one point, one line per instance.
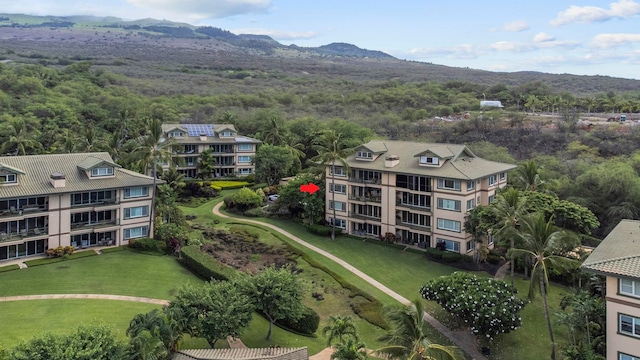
(619, 253)
(456, 161)
(91, 161)
(37, 171)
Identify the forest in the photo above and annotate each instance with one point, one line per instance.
(83, 107)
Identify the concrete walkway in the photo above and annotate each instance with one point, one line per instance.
(463, 339)
(85, 296)
(502, 271)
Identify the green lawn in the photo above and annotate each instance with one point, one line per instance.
(119, 273)
(21, 320)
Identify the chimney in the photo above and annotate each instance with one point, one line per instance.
(203, 137)
(391, 161)
(57, 180)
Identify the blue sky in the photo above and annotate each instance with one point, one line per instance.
(583, 37)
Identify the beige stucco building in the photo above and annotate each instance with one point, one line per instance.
(78, 200)
(618, 258)
(419, 192)
(232, 152)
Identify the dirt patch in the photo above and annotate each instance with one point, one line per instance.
(242, 250)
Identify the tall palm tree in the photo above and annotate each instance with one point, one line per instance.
(352, 349)
(331, 149)
(407, 339)
(340, 328)
(206, 164)
(154, 147)
(275, 132)
(90, 139)
(19, 137)
(528, 176)
(67, 141)
(173, 178)
(508, 207)
(545, 243)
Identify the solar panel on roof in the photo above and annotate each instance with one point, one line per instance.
(199, 129)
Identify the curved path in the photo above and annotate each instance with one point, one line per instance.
(462, 339)
(85, 296)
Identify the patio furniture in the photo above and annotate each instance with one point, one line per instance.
(23, 232)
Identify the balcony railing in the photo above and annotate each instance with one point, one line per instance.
(113, 201)
(413, 225)
(374, 181)
(94, 224)
(29, 209)
(375, 199)
(357, 215)
(23, 233)
(412, 206)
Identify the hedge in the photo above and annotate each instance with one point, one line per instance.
(45, 261)
(112, 249)
(256, 212)
(9, 268)
(144, 244)
(227, 185)
(204, 265)
(306, 325)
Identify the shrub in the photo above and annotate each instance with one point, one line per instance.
(322, 230)
(165, 232)
(307, 324)
(144, 244)
(389, 238)
(204, 265)
(434, 253)
(68, 250)
(493, 259)
(257, 212)
(451, 257)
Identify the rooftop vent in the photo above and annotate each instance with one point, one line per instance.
(57, 180)
(391, 161)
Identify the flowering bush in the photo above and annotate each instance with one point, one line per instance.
(487, 305)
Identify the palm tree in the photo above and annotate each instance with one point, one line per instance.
(173, 178)
(67, 142)
(147, 346)
(528, 176)
(154, 147)
(206, 163)
(352, 349)
(340, 328)
(407, 339)
(275, 132)
(330, 150)
(508, 207)
(545, 243)
(19, 137)
(90, 139)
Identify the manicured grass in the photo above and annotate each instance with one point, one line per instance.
(118, 273)
(21, 320)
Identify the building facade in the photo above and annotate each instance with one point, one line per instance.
(618, 259)
(231, 152)
(78, 200)
(418, 192)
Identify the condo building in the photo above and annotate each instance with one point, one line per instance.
(78, 200)
(418, 192)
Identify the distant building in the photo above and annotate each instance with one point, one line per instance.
(491, 103)
(276, 353)
(78, 200)
(418, 192)
(232, 152)
(618, 259)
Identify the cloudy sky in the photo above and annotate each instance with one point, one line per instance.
(584, 37)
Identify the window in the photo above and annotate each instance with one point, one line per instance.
(490, 239)
(226, 134)
(491, 198)
(471, 184)
(470, 245)
(339, 223)
(429, 160)
(417, 200)
(136, 212)
(244, 159)
(471, 204)
(135, 232)
(339, 205)
(630, 287)
(448, 204)
(364, 154)
(245, 171)
(503, 176)
(622, 356)
(449, 245)
(135, 192)
(339, 171)
(191, 149)
(8, 178)
(339, 188)
(92, 197)
(629, 325)
(451, 225)
(449, 184)
(245, 147)
(177, 134)
(102, 171)
(492, 180)
(411, 182)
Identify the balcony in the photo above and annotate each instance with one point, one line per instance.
(413, 226)
(412, 206)
(104, 202)
(374, 181)
(374, 199)
(362, 216)
(25, 210)
(24, 233)
(94, 224)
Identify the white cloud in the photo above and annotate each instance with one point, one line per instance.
(463, 51)
(588, 14)
(606, 41)
(510, 46)
(516, 26)
(202, 9)
(277, 34)
(543, 37)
